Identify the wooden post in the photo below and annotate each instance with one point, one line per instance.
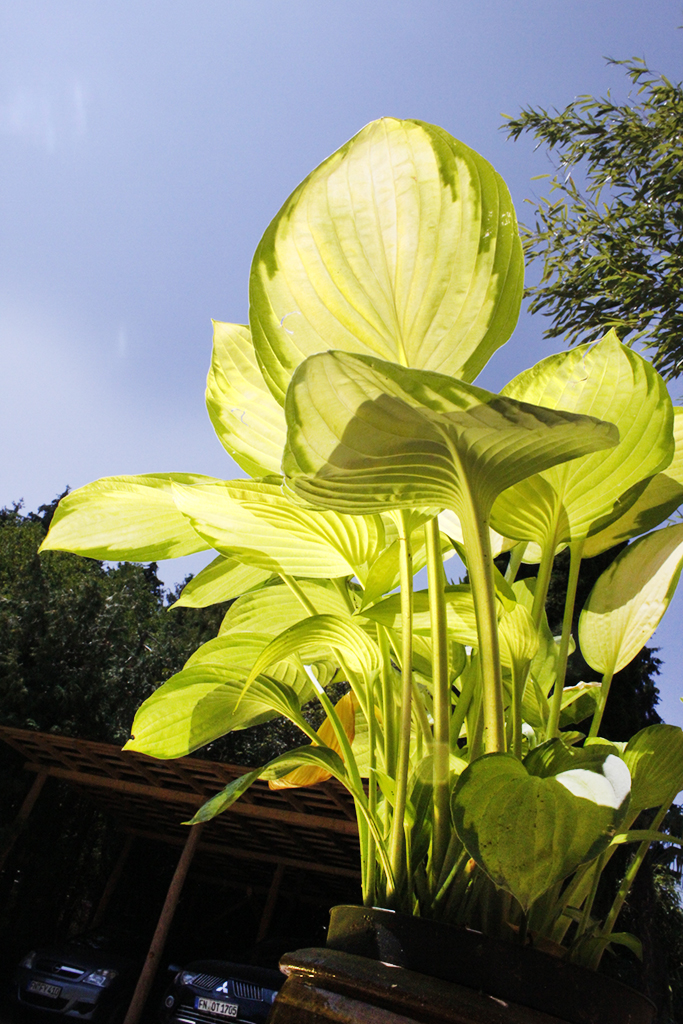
(137, 1003)
(271, 900)
(112, 882)
(19, 823)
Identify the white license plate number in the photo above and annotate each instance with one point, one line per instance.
(41, 989)
(214, 1006)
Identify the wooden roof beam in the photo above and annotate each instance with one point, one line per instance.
(303, 820)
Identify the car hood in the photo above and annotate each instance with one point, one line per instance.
(83, 957)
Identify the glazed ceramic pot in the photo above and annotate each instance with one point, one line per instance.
(386, 968)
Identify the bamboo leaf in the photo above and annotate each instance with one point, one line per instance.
(628, 601)
(224, 800)
(403, 244)
(646, 835)
(317, 756)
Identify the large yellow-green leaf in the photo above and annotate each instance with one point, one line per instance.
(203, 702)
(305, 639)
(626, 604)
(231, 649)
(255, 523)
(517, 634)
(126, 517)
(275, 608)
(660, 499)
(614, 383)
(403, 244)
(241, 650)
(528, 832)
(249, 422)
(519, 641)
(654, 757)
(221, 580)
(364, 435)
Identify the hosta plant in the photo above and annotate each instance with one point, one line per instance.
(377, 294)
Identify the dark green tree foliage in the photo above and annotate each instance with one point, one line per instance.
(83, 644)
(610, 233)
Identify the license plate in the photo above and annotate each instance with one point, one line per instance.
(214, 1006)
(40, 988)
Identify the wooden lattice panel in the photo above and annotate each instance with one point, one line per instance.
(313, 828)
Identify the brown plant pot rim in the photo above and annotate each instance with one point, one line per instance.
(524, 976)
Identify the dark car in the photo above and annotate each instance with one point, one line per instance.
(88, 977)
(207, 991)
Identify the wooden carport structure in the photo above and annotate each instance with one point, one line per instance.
(313, 829)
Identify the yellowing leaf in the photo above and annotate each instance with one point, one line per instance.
(309, 775)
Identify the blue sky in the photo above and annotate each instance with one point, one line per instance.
(145, 147)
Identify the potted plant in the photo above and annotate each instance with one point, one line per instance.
(377, 294)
